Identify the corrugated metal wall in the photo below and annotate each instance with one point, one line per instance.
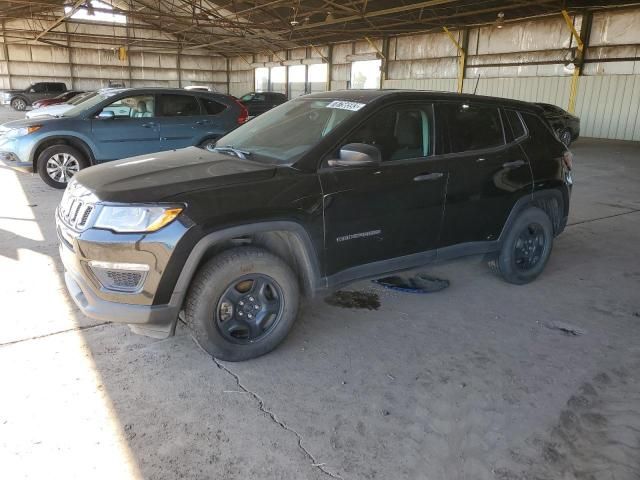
(527, 60)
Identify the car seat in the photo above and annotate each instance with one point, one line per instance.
(408, 136)
(141, 110)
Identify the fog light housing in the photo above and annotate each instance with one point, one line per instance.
(120, 277)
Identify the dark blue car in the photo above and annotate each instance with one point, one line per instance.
(118, 123)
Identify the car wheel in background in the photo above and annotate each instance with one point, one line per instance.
(209, 144)
(242, 303)
(19, 104)
(526, 248)
(565, 136)
(58, 163)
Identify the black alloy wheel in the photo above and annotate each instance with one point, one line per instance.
(249, 309)
(529, 247)
(525, 248)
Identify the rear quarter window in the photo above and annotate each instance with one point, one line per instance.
(211, 107)
(517, 128)
(538, 129)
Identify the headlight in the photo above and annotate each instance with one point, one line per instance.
(131, 219)
(21, 132)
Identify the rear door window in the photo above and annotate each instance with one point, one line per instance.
(56, 87)
(39, 88)
(471, 127)
(172, 105)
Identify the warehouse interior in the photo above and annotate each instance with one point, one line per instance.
(483, 380)
(523, 50)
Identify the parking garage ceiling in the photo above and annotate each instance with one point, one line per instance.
(231, 27)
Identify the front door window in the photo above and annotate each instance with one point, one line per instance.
(138, 106)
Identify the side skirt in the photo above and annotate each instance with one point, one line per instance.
(408, 262)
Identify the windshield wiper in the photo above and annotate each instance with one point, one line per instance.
(243, 154)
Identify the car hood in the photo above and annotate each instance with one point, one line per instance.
(26, 122)
(11, 91)
(158, 176)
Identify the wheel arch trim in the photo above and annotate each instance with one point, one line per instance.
(532, 201)
(74, 141)
(303, 251)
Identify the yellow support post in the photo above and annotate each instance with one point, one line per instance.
(573, 90)
(462, 59)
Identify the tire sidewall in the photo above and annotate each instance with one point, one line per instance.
(212, 281)
(48, 153)
(506, 259)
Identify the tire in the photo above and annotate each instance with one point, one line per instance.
(565, 136)
(225, 293)
(526, 248)
(19, 104)
(58, 163)
(208, 144)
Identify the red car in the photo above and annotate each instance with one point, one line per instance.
(62, 98)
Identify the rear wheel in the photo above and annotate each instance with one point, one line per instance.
(242, 303)
(58, 163)
(19, 104)
(526, 248)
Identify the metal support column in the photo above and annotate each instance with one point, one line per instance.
(179, 69)
(462, 55)
(581, 43)
(5, 51)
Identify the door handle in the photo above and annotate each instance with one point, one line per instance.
(148, 125)
(514, 164)
(203, 122)
(428, 176)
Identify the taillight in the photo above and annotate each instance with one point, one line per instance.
(244, 113)
(567, 159)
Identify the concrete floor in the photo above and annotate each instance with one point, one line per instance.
(469, 383)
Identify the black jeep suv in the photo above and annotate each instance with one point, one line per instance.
(320, 191)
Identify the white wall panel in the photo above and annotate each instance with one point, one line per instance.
(609, 106)
(434, 84)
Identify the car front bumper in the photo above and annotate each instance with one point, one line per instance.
(16, 152)
(95, 301)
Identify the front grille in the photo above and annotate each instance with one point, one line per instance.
(124, 280)
(119, 277)
(75, 211)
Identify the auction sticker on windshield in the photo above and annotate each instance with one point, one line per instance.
(353, 106)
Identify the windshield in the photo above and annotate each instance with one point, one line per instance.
(287, 132)
(91, 101)
(81, 98)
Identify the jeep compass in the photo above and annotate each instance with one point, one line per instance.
(319, 192)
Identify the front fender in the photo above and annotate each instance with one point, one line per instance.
(305, 254)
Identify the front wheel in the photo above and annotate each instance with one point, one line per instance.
(209, 144)
(58, 163)
(526, 248)
(19, 104)
(242, 303)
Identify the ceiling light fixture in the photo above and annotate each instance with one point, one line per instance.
(500, 20)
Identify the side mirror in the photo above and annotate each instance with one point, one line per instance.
(357, 155)
(106, 115)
